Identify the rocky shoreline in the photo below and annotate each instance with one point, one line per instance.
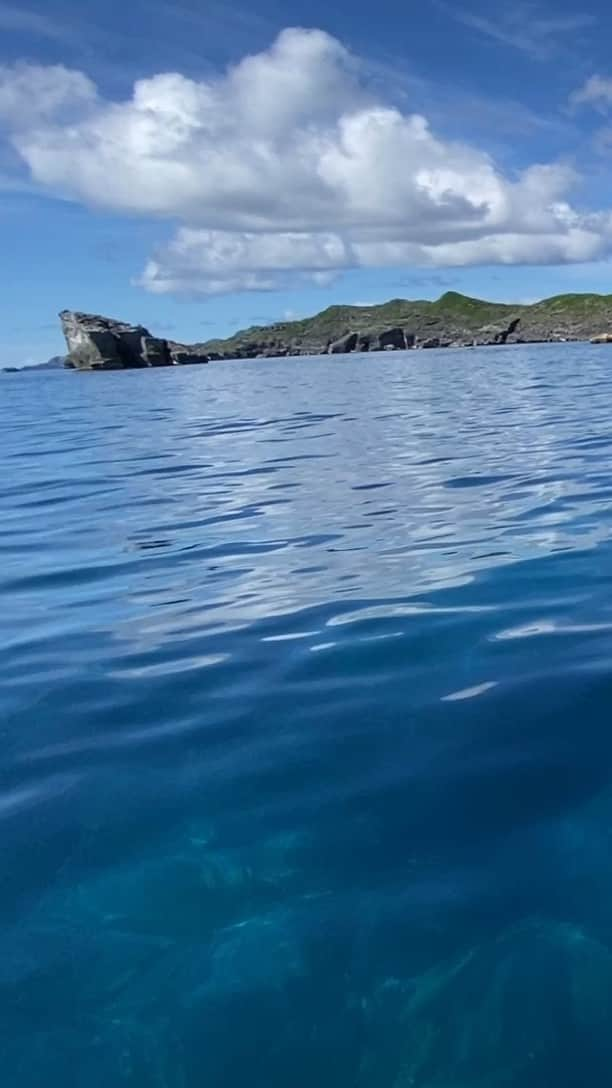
(454, 320)
(101, 343)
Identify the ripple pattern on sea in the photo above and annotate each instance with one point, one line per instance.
(305, 694)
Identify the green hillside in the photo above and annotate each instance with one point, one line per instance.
(452, 320)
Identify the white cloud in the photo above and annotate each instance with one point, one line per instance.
(597, 92)
(217, 262)
(286, 169)
(32, 95)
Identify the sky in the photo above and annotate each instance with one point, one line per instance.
(199, 167)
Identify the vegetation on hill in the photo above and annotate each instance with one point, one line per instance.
(453, 319)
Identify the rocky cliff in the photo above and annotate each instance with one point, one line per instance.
(100, 343)
(453, 320)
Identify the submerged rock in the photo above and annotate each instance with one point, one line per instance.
(532, 1008)
(101, 343)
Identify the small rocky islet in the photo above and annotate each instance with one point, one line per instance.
(101, 343)
(454, 320)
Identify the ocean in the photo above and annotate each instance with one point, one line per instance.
(306, 723)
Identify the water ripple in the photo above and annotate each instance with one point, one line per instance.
(307, 763)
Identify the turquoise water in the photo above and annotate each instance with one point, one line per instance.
(306, 699)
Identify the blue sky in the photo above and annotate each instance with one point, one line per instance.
(199, 167)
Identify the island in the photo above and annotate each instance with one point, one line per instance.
(454, 320)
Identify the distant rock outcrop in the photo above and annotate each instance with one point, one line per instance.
(100, 343)
(396, 339)
(57, 362)
(498, 334)
(344, 345)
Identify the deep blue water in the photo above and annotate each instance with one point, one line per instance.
(306, 698)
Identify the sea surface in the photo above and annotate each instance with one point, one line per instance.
(306, 723)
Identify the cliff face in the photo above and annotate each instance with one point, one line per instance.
(453, 320)
(100, 343)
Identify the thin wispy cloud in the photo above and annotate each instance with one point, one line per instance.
(450, 105)
(21, 21)
(596, 92)
(529, 28)
(224, 28)
(69, 35)
(203, 18)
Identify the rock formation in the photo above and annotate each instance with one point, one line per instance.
(499, 334)
(452, 321)
(396, 339)
(344, 345)
(100, 343)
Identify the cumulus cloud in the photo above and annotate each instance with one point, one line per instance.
(217, 262)
(285, 169)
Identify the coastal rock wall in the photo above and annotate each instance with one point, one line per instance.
(372, 340)
(452, 321)
(344, 345)
(100, 343)
(395, 339)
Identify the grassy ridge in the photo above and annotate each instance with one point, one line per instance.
(453, 317)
